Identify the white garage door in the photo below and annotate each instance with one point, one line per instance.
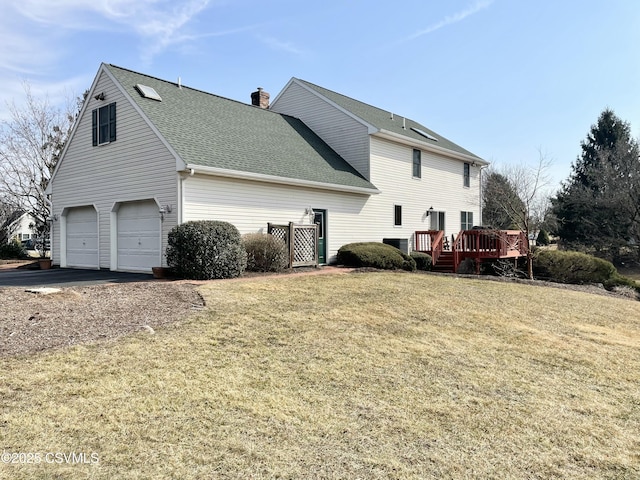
(82, 237)
(138, 236)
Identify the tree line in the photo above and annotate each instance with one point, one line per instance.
(597, 208)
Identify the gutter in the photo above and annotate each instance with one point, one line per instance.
(428, 146)
(261, 177)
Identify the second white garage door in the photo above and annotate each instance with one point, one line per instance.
(138, 236)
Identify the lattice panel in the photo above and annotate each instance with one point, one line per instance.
(304, 250)
(280, 233)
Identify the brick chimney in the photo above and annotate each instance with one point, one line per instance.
(260, 98)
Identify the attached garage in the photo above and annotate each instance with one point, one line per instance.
(81, 237)
(138, 236)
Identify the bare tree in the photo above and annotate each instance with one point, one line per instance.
(525, 200)
(31, 142)
(7, 215)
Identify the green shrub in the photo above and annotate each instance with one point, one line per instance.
(543, 238)
(572, 267)
(206, 249)
(12, 251)
(376, 255)
(265, 253)
(423, 260)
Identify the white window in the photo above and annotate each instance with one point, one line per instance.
(466, 220)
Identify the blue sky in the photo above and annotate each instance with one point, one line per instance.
(505, 79)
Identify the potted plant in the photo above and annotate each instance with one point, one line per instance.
(44, 260)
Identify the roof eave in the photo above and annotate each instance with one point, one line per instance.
(260, 177)
(388, 135)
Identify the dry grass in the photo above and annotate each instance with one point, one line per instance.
(375, 375)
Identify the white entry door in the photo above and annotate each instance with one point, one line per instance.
(138, 236)
(82, 238)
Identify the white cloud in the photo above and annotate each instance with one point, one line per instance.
(276, 44)
(35, 37)
(157, 22)
(451, 19)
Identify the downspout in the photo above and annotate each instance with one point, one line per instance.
(51, 220)
(480, 190)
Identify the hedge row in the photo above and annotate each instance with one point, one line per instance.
(376, 255)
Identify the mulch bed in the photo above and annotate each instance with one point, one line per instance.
(32, 322)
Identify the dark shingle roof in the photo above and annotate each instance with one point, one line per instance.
(382, 120)
(212, 131)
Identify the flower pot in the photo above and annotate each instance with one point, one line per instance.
(160, 272)
(45, 263)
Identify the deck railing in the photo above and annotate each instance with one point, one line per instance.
(430, 241)
(480, 244)
(476, 244)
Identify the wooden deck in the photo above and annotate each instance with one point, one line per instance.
(476, 244)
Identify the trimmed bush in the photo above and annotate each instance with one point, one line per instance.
(11, 251)
(376, 255)
(265, 253)
(206, 249)
(423, 260)
(572, 267)
(543, 238)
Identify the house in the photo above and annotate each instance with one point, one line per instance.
(147, 154)
(20, 226)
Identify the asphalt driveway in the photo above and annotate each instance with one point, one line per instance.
(65, 277)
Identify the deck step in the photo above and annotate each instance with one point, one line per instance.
(444, 263)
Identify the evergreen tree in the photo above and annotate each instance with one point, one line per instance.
(595, 208)
(499, 201)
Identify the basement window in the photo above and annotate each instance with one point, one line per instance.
(148, 92)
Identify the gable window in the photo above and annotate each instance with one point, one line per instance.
(103, 123)
(397, 215)
(467, 175)
(466, 220)
(417, 163)
(437, 221)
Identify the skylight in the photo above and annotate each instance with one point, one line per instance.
(148, 92)
(424, 134)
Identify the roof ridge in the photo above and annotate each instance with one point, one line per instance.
(181, 85)
(351, 98)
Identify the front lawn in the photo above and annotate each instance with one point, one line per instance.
(362, 375)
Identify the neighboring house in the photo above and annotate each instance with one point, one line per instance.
(21, 228)
(147, 154)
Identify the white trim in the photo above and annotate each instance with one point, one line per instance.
(113, 261)
(396, 137)
(63, 233)
(261, 177)
(371, 128)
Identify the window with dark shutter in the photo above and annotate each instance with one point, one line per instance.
(467, 175)
(103, 121)
(94, 127)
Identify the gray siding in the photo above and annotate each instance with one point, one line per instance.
(346, 136)
(136, 166)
